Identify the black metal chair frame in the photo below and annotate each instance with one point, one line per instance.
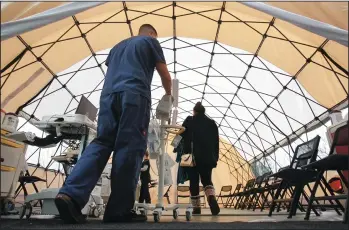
(297, 177)
(331, 162)
(202, 203)
(245, 193)
(233, 196)
(24, 180)
(271, 184)
(249, 196)
(258, 192)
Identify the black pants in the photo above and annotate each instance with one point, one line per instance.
(197, 173)
(144, 193)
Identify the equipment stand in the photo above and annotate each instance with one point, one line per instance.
(159, 208)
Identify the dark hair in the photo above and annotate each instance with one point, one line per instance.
(145, 27)
(199, 108)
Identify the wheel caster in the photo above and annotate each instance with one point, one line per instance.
(143, 212)
(26, 211)
(156, 218)
(22, 211)
(96, 212)
(90, 212)
(175, 214)
(10, 206)
(188, 215)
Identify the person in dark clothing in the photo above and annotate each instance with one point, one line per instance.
(123, 121)
(203, 133)
(145, 180)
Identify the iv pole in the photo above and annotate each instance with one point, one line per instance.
(175, 90)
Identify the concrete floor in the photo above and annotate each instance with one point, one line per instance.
(232, 215)
(228, 215)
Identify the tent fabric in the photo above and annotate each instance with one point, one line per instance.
(11, 29)
(291, 62)
(266, 75)
(332, 13)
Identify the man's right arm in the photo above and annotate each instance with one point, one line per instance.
(165, 77)
(161, 66)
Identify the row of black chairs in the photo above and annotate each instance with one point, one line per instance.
(284, 189)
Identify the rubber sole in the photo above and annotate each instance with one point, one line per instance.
(68, 213)
(215, 210)
(197, 211)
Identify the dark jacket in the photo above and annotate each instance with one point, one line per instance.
(182, 174)
(204, 133)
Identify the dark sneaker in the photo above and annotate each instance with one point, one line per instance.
(197, 211)
(126, 218)
(213, 205)
(68, 210)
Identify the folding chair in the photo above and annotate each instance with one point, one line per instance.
(297, 177)
(250, 194)
(242, 196)
(224, 193)
(259, 190)
(28, 179)
(202, 196)
(337, 162)
(183, 192)
(233, 196)
(271, 185)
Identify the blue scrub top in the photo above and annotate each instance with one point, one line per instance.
(131, 64)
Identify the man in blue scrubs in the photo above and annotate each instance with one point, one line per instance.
(123, 121)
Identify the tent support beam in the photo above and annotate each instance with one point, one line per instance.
(325, 30)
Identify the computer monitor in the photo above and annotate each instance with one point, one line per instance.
(86, 107)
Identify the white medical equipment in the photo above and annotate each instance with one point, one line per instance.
(70, 126)
(93, 208)
(75, 120)
(163, 112)
(168, 164)
(21, 136)
(176, 140)
(154, 139)
(106, 189)
(3, 114)
(12, 163)
(10, 122)
(175, 90)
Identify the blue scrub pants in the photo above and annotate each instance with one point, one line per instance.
(122, 129)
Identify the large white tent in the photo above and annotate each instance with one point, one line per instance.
(268, 73)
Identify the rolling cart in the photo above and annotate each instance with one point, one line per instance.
(163, 114)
